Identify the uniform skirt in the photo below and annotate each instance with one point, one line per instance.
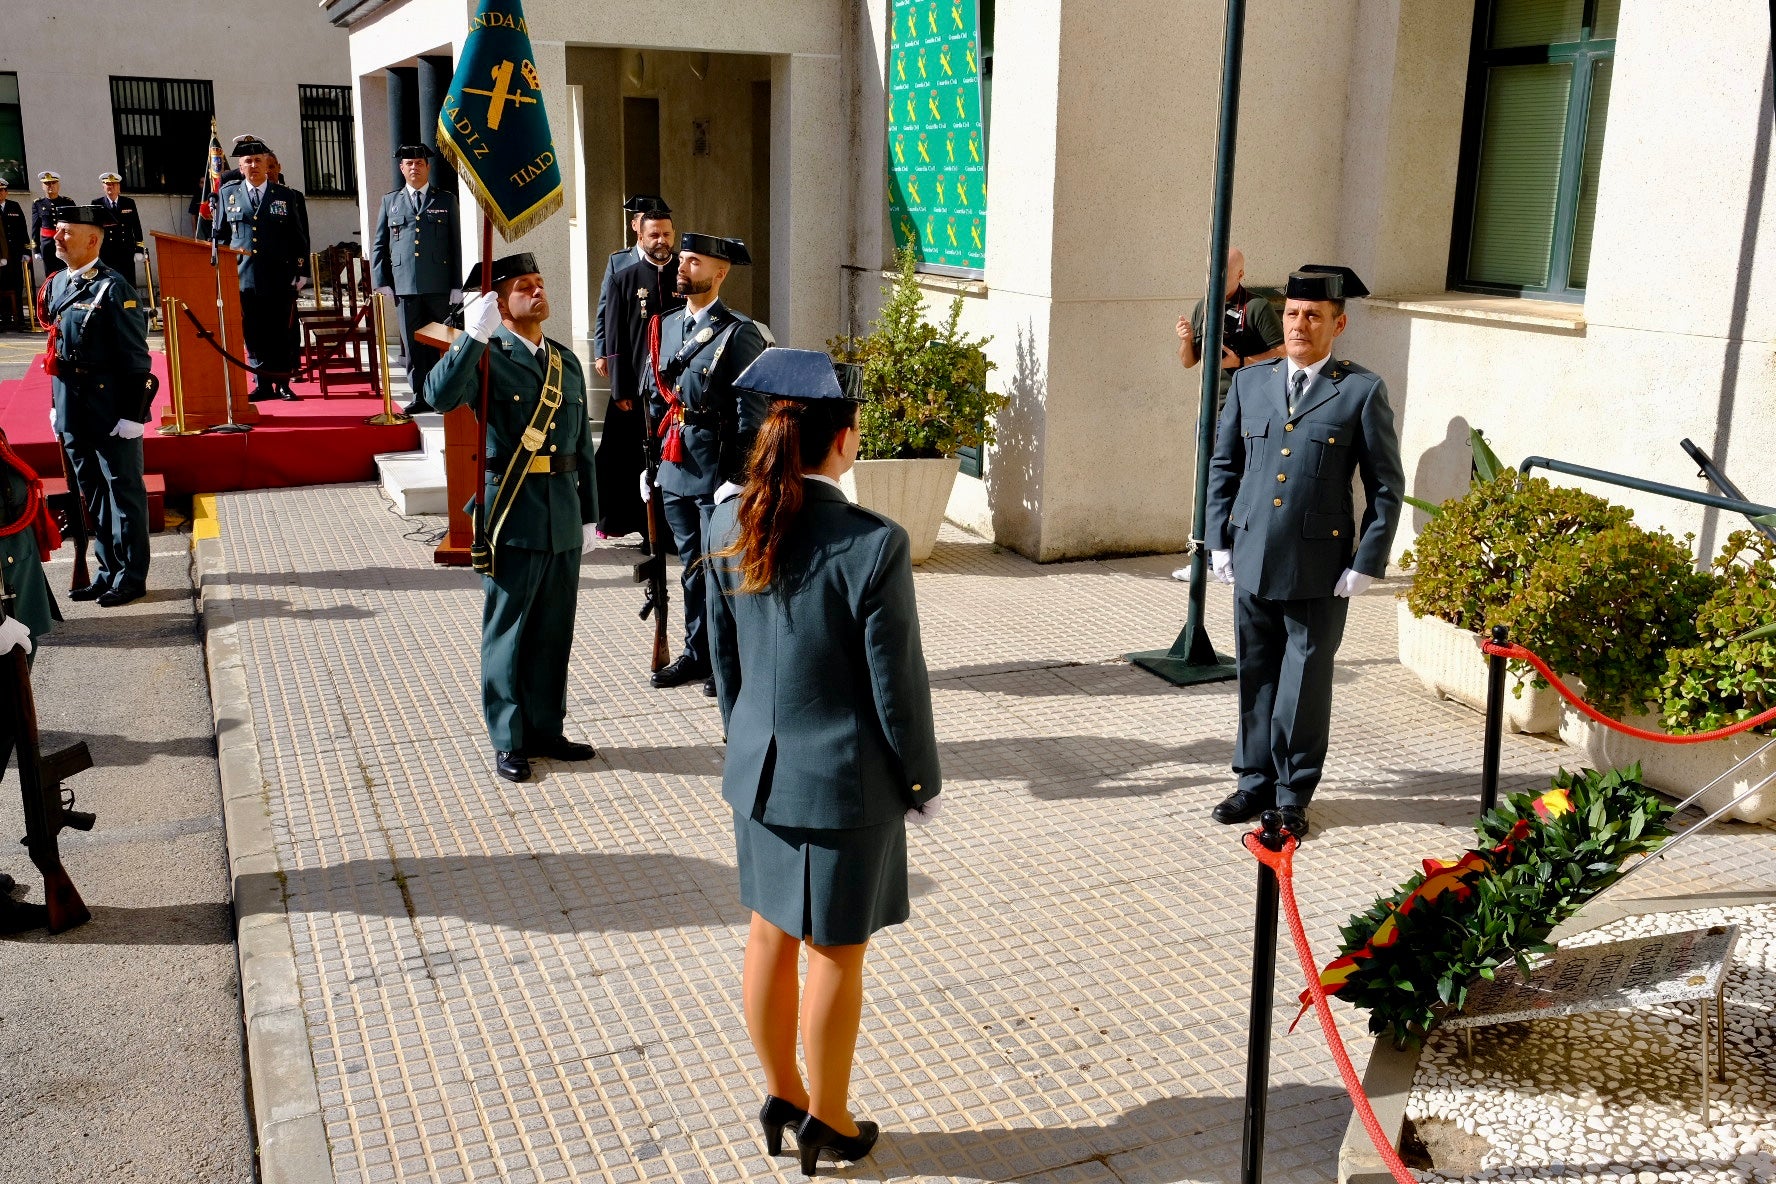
(833, 887)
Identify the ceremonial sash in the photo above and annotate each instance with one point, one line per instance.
(529, 444)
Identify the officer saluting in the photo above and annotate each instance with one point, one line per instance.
(706, 425)
(44, 212)
(124, 246)
(1282, 532)
(539, 505)
(269, 222)
(415, 258)
(98, 354)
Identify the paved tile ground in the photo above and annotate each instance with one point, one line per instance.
(542, 982)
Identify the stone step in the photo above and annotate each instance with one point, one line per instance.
(414, 483)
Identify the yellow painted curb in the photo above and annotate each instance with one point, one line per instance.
(204, 524)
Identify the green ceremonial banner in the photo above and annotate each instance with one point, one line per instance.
(493, 129)
(937, 148)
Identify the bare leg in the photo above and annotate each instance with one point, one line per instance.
(770, 991)
(829, 1030)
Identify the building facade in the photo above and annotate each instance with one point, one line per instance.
(1558, 205)
(112, 87)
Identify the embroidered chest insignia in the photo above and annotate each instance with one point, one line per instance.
(280, 207)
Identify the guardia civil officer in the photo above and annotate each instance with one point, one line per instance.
(269, 222)
(44, 212)
(124, 244)
(831, 746)
(14, 240)
(707, 424)
(635, 207)
(539, 505)
(102, 397)
(415, 258)
(636, 294)
(1282, 531)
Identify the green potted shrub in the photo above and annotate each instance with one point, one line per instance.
(925, 399)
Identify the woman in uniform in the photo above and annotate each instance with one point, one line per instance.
(831, 749)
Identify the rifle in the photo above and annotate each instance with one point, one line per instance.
(652, 570)
(46, 813)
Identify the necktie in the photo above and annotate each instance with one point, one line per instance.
(1300, 385)
(416, 200)
(255, 194)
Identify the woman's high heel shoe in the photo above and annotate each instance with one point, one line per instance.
(814, 1136)
(776, 1114)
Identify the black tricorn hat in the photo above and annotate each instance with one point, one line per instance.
(250, 146)
(413, 152)
(511, 267)
(731, 249)
(1324, 281)
(806, 374)
(647, 203)
(84, 216)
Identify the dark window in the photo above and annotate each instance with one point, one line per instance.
(163, 132)
(1532, 146)
(327, 140)
(12, 136)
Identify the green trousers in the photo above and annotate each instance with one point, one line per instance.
(527, 625)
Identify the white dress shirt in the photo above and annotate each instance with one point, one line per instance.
(1312, 373)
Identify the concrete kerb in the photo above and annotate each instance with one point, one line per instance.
(289, 1127)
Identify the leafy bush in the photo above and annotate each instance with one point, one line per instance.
(1726, 676)
(1540, 859)
(925, 386)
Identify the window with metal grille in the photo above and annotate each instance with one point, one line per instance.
(1532, 146)
(327, 139)
(163, 132)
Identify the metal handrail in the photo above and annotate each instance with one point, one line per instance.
(1736, 505)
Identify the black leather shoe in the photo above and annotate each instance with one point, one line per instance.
(679, 672)
(1242, 805)
(1294, 820)
(814, 1136)
(91, 592)
(709, 687)
(513, 766)
(113, 597)
(262, 393)
(418, 407)
(776, 1114)
(288, 395)
(561, 749)
(7, 884)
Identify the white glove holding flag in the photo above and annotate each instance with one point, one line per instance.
(647, 491)
(1352, 583)
(481, 316)
(128, 429)
(1221, 563)
(726, 490)
(14, 632)
(926, 814)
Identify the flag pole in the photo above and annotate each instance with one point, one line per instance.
(479, 554)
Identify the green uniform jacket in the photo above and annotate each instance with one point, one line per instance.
(19, 564)
(551, 507)
(102, 345)
(822, 683)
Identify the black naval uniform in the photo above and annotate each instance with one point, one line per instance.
(44, 212)
(14, 242)
(716, 426)
(102, 359)
(123, 238)
(636, 294)
(274, 234)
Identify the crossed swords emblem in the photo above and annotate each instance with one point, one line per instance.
(503, 93)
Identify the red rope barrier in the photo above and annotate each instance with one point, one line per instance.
(1283, 864)
(1518, 652)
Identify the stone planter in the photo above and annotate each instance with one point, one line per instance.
(912, 492)
(1448, 661)
(1679, 770)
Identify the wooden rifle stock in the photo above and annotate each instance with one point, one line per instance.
(40, 783)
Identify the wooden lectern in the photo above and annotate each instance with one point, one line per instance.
(207, 383)
(462, 439)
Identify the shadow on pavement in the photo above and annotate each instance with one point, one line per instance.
(206, 924)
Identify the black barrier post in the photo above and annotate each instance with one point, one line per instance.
(1264, 967)
(1495, 724)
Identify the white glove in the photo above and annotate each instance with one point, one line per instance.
(128, 429)
(726, 490)
(14, 632)
(1352, 583)
(301, 283)
(455, 295)
(387, 291)
(923, 816)
(481, 316)
(141, 256)
(588, 535)
(647, 491)
(1221, 563)
(3, 262)
(52, 417)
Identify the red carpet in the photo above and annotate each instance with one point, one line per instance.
(312, 442)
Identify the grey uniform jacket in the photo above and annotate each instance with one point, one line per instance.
(720, 423)
(1280, 482)
(822, 683)
(275, 238)
(417, 253)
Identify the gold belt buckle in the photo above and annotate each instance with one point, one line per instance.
(538, 464)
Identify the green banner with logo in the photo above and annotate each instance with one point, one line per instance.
(937, 145)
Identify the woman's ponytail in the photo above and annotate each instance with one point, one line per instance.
(797, 436)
